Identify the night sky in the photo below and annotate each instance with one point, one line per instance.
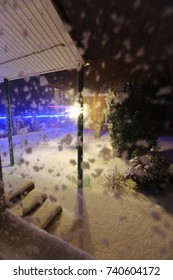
(124, 39)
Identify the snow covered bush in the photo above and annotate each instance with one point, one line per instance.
(149, 170)
(133, 120)
(113, 180)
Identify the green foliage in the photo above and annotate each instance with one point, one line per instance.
(136, 116)
(133, 120)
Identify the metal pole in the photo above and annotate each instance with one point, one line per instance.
(9, 120)
(80, 78)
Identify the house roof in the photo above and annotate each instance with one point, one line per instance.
(34, 40)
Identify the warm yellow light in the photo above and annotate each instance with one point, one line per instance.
(87, 64)
(75, 110)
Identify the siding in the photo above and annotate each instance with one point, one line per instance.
(34, 40)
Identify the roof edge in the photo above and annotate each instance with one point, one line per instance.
(62, 14)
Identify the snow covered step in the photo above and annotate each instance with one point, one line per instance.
(17, 191)
(45, 213)
(30, 201)
(65, 226)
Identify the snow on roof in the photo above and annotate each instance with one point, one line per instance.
(34, 40)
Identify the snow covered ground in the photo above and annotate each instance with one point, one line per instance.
(120, 225)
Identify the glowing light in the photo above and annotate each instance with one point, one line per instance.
(87, 64)
(74, 111)
(70, 112)
(38, 116)
(52, 116)
(56, 106)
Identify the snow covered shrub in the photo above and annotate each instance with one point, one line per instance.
(149, 170)
(133, 120)
(113, 180)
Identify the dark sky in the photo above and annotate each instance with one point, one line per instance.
(123, 39)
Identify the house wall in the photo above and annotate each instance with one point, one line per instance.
(96, 106)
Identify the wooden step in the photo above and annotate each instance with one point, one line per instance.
(29, 202)
(17, 191)
(45, 213)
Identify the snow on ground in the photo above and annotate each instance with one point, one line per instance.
(107, 225)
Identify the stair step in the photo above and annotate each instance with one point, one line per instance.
(45, 213)
(65, 226)
(31, 200)
(16, 192)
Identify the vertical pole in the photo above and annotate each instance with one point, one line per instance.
(1, 177)
(80, 78)
(9, 120)
(2, 196)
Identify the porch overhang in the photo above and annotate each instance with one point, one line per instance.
(34, 40)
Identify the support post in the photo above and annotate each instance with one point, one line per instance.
(1, 176)
(2, 196)
(80, 78)
(9, 121)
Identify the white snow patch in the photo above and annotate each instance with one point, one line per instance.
(107, 225)
(43, 81)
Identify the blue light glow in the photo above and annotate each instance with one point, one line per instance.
(37, 116)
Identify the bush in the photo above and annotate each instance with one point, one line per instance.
(134, 122)
(149, 170)
(113, 180)
(136, 116)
